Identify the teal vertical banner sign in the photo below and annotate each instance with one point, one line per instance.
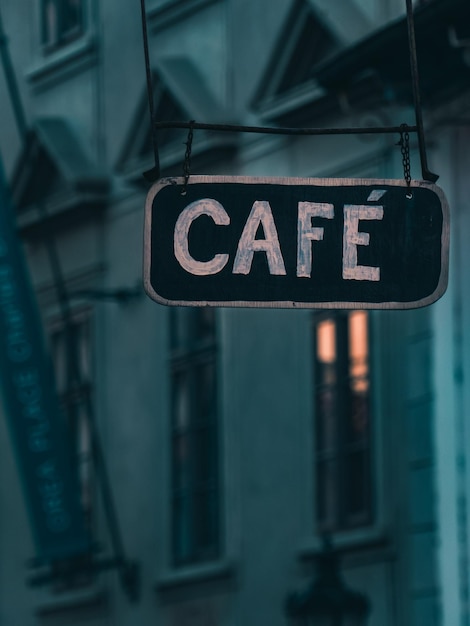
(40, 436)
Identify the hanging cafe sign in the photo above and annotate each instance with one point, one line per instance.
(296, 242)
(293, 242)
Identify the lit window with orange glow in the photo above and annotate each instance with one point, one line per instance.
(342, 421)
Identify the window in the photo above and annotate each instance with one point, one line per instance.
(62, 21)
(315, 43)
(74, 399)
(195, 523)
(342, 421)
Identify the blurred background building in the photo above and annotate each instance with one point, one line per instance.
(235, 439)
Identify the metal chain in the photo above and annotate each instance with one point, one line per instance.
(187, 158)
(404, 144)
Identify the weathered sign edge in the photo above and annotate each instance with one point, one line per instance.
(287, 304)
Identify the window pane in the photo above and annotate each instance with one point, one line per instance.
(195, 437)
(62, 21)
(327, 492)
(74, 400)
(82, 331)
(182, 529)
(63, 354)
(71, 16)
(181, 401)
(326, 379)
(358, 351)
(190, 326)
(182, 474)
(357, 491)
(326, 426)
(179, 328)
(204, 324)
(358, 422)
(326, 342)
(50, 22)
(205, 391)
(357, 426)
(204, 456)
(206, 522)
(85, 462)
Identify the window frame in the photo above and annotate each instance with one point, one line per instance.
(57, 341)
(63, 37)
(367, 522)
(187, 359)
(52, 64)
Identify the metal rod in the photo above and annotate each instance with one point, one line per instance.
(426, 173)
(235, 128)
(154, 173)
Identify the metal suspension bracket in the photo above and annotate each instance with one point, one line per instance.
(426, 173)
(418, 128)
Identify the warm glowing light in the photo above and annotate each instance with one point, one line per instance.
(326, 341)
(359, 350)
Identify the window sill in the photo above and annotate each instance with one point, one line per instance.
(195, 574)
(362, 545)
(71, 58)
(93, 600)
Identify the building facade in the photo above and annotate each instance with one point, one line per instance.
(235, 439)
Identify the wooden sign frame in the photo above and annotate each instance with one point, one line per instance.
(393, 241)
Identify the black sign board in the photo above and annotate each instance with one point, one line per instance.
(296, 242)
